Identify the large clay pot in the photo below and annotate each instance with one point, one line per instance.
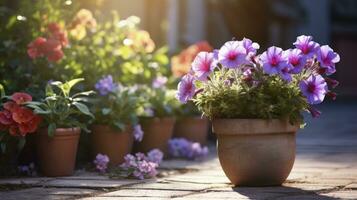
(113, 143)
(192, 128)
(57, 154)
(255, 152)
(157, 132)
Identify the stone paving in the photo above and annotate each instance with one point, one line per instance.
(325, 168)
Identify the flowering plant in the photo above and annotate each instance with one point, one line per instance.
(236, 82)
(116, 105)
(60, 109)
(139, 166)
(16, 119)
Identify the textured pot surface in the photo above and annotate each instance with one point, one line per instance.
(157, 132)
(255, 152)
(114, 144)
(192, 128)
(57, 154)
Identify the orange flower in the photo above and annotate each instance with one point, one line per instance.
(181, 63)
(21, 97)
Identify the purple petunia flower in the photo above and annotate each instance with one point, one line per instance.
(306, 45)
(105, 85)
(314, 89)
(232, 54)
(273, 61)
(101, 162)
(155, 156)
(285, 74)
(202, 65)
(314, 112)
(249, 46)
(183, 148)
(138, 133)
(186, 88)
(327, 58)
(159, 82)
(295, 59)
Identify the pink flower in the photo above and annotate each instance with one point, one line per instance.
(21, 97)
(306, 45)
(35, 48)
(202, 65)
(314, 89)
(250, 47)
(295, 59)
(186, 88)
(273, 60)
(327, 59)
(232, 55)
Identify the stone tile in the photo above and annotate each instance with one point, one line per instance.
(75, 183)
(171, 185)
(140, 193)
(24, 181)
(45, 193)
(304, 197)
(345, 194)
(125, 198)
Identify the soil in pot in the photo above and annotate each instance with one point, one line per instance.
(255, 152)
(192, 128)
(157, 132)
(57, 155)
(114, 144)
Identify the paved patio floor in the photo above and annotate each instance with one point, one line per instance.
(325, 168)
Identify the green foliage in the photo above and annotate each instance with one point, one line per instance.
(269, 98)
(117, 109)
(60, 109)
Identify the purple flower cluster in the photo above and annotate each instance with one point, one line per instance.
(141, 166)
(183, 148)
(138, 133)
(186, 88)
(28, 170)
(101, 162)
(105, 85)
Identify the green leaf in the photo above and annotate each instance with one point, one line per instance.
(73, 82)
(21, 144)
(51, 129)
(49, 90)
(119, 125)
(87, 93)
(83, 108)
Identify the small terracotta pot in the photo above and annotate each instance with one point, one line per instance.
(255, 152)
(157, 132)
(57, 154)
(114, 144)
(192, 128)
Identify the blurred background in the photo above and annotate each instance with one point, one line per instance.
(180, 23)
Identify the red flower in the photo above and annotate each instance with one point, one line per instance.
(54, 27)
(6, 118)
(58, 34)
(10, 106)
(30, 126)
(21, 97)
(35, 48)
(22, 115)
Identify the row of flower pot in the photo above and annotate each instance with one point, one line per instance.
(57, 154)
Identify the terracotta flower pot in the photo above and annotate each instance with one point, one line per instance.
(192, 128)
(255, 152)
(114, 144)
(57, 154)
(157, 132)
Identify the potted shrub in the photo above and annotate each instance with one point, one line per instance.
(157, 120)
(62, 115)
(116, 122)
(255, 103)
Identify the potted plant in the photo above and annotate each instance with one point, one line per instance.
(157, 119)
(63, 115)
(255, 103)
(116, 122)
